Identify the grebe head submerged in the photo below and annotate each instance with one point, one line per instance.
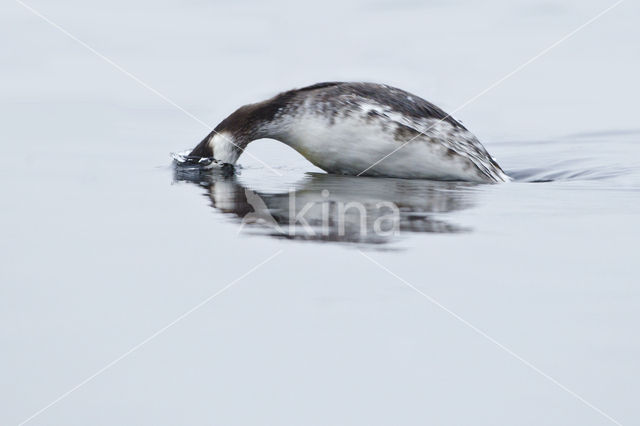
(357, 129)
(217, 148)
(226, 142)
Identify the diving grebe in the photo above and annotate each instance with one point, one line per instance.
(351, 128)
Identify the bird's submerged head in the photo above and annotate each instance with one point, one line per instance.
(229, 139)
(220, 147)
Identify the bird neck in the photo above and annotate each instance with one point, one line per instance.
(248, 123)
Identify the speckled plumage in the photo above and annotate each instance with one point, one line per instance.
(349, 128)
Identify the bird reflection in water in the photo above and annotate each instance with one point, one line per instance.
(325, 207)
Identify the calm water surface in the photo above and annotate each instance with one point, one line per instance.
(105, 242)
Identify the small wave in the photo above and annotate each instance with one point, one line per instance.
(604, 134)
(593, 156)
(183, 159)
(192, 167)
(559, 173)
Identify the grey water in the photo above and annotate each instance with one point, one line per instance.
(493, 304)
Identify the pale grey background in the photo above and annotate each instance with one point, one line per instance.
(99, 249)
